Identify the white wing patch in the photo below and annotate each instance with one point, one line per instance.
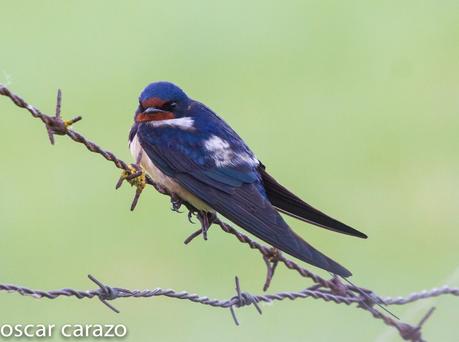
(224, 155)
(220, 150)
(185, 123)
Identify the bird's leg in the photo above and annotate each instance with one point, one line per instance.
(176, 203)
(136, 177)
(206, 220)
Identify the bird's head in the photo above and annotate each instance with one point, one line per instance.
(161, 101)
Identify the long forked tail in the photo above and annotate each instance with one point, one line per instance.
(249, 209)
(288, 203)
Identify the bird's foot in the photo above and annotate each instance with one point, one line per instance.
(136, 177)
(190, 216)
(206, 219)
(176, 204)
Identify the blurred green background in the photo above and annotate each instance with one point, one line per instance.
(354, 105)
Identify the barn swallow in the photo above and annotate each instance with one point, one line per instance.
(190, 151)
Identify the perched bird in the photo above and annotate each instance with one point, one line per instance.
(190, 151)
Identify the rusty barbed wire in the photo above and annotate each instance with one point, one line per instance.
(331, 290)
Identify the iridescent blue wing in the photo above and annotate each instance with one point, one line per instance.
(229, 182)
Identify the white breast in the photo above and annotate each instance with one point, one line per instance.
(163, 180)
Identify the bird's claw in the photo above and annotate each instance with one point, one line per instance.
(190, 216)
(206, 219)
(136, 177)
(176, 204)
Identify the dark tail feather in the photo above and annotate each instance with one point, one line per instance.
(288, 203)
(304, 251)
(247, 208)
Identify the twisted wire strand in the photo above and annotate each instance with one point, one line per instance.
(111, 293)
(157, 292)
(415, 296)
(332, 290)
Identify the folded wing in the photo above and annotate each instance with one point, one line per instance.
(234, 190)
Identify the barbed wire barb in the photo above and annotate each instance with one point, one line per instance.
(331, 290)
(106, 293)
(243, 299)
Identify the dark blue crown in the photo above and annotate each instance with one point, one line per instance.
(166, 91)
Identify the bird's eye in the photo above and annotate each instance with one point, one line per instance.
(169, 106)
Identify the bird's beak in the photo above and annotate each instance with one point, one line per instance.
(152, 110)
(154, 114)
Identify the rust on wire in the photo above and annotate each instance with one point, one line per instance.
(332, 290)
